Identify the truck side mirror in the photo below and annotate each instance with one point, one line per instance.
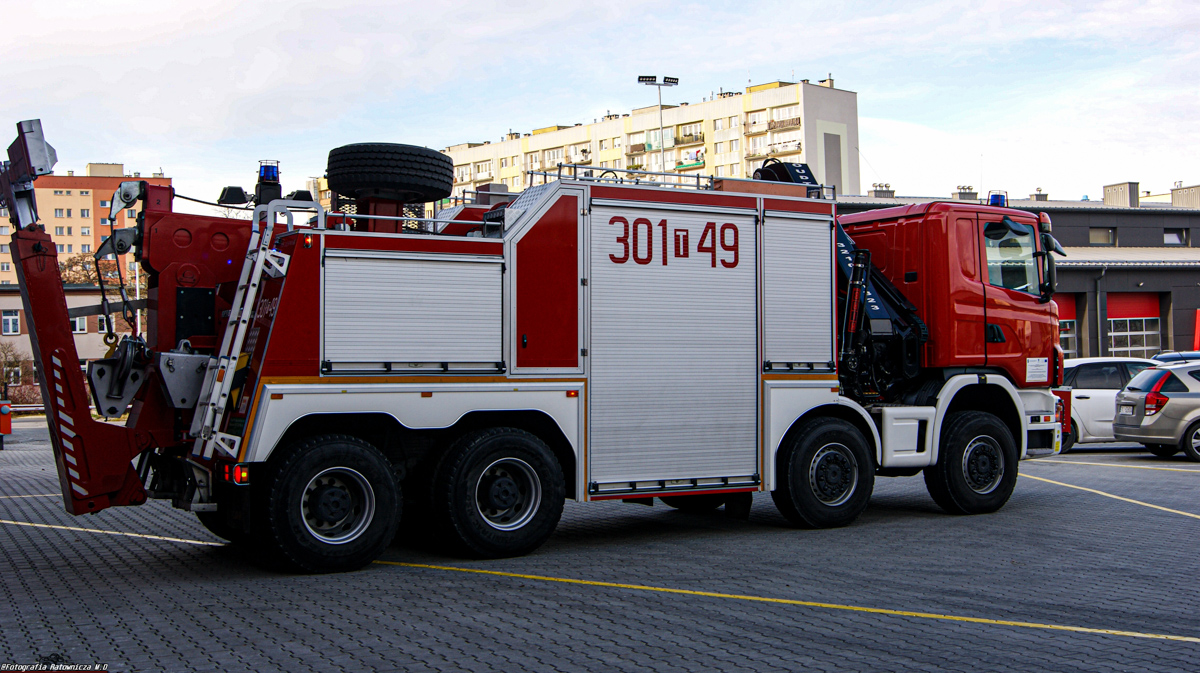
(1049, 277)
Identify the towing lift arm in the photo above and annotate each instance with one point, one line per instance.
(93, 458)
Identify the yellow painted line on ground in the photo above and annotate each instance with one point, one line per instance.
(1114, 497)
(111, 532)
(40, 495)
(1132, 467)
(809, 604)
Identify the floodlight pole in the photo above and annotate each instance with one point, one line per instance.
(667, 81)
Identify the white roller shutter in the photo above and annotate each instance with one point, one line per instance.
(797, 290)
(412, 310)
(673, 348)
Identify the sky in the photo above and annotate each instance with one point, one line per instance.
(1065, 96)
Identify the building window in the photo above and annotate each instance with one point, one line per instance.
(1067, 338)
(10, 323)
(69, 246)
(58, 212)
(60, 247)
(719, 124)
(68, 212)
(733, 121)
(85, 212)
(1102, 236)
(461, 174)
(59, 231)
(104, 221)
(85, 231)
(732, 170)
(788, 112)
(5, 266)
(733, 145)
(85, 248)
(720, 171)
(503, 162)
(1133, 337)
(603, 144)
(84, 192)
(104, 204)
(68, 192)
(79, 325)
(4, 247)
(58, 192)
(759, 117)
(129, 213)
(4, 231)
(1175, 237)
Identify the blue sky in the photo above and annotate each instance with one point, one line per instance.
(1066, 96)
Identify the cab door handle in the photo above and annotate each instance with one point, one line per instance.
(1083, 397)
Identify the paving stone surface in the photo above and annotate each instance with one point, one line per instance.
(1054, 555)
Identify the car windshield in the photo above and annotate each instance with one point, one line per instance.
(1145, 379)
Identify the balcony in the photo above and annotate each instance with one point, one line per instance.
(637, 148)
(690, 164)
(483, 175)
(689, 139)
(755, 129)
(784, 148)
(783, 123)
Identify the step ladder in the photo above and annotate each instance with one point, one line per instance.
(218, 379)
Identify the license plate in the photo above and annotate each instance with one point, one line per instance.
(1126, 410)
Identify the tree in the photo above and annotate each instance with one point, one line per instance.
(11, 359)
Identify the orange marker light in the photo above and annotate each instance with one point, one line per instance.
(572, 393)
(426, 394)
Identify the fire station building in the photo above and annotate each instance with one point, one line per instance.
(1130, 283)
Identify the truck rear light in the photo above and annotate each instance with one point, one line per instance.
(1060, 410)
(572, 393)
(237, 474)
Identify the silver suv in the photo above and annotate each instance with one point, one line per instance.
(1160, 408)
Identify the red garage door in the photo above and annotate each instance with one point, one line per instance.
(1133, 324)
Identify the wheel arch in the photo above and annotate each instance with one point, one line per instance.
(990, 394)
(844, 409)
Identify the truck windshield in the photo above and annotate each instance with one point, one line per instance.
(1010, 248)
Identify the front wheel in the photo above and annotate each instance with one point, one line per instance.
(332, 505)
(824, 474)
(498, 492)
(976, 468)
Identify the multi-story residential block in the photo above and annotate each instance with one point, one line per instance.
(729, 135)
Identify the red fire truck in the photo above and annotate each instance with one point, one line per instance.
(306, 375)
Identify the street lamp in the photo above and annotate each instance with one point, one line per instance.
(652, 80)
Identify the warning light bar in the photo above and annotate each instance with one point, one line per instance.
(268, 171)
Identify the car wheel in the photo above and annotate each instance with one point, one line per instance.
(824, 474)
(1069, 437)
(499, 492)
(1190, 442)
(694, 504)
(976, 468)
(332, 505)
(1163, 451)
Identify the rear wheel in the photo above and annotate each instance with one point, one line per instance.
(1163, 451)
(694, 504)
(498, 493)
(1190, 442)
(824, 474)
(333, 505)
(976, 468)
(1069, 437)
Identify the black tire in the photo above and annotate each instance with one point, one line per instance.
(824, 474)
(694, 504)
(332, 505)
(498, 493)
(1068, 440)
(404, 173)
(976, 468)
(217, 525)
(1163, 451)
(1190, 442)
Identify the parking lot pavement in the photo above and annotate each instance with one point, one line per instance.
(1061, 579)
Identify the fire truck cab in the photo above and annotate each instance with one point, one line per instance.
(308, 376)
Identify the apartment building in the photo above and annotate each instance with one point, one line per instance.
(75, 211)
(727, 135)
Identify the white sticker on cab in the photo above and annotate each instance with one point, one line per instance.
(1037, 369)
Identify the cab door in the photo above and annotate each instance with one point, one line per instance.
(1020, 331)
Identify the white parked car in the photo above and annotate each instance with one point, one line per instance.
(1094, 384)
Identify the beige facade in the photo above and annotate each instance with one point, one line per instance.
(728, 136)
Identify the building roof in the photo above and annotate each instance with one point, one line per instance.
(1021, 204)
(1129, 257)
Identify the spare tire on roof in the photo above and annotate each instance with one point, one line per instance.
(404, 173)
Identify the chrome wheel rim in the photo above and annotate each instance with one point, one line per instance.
(1196, 440)
(338, 505)
(508, 494)
(833, 474)
(983, 464)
